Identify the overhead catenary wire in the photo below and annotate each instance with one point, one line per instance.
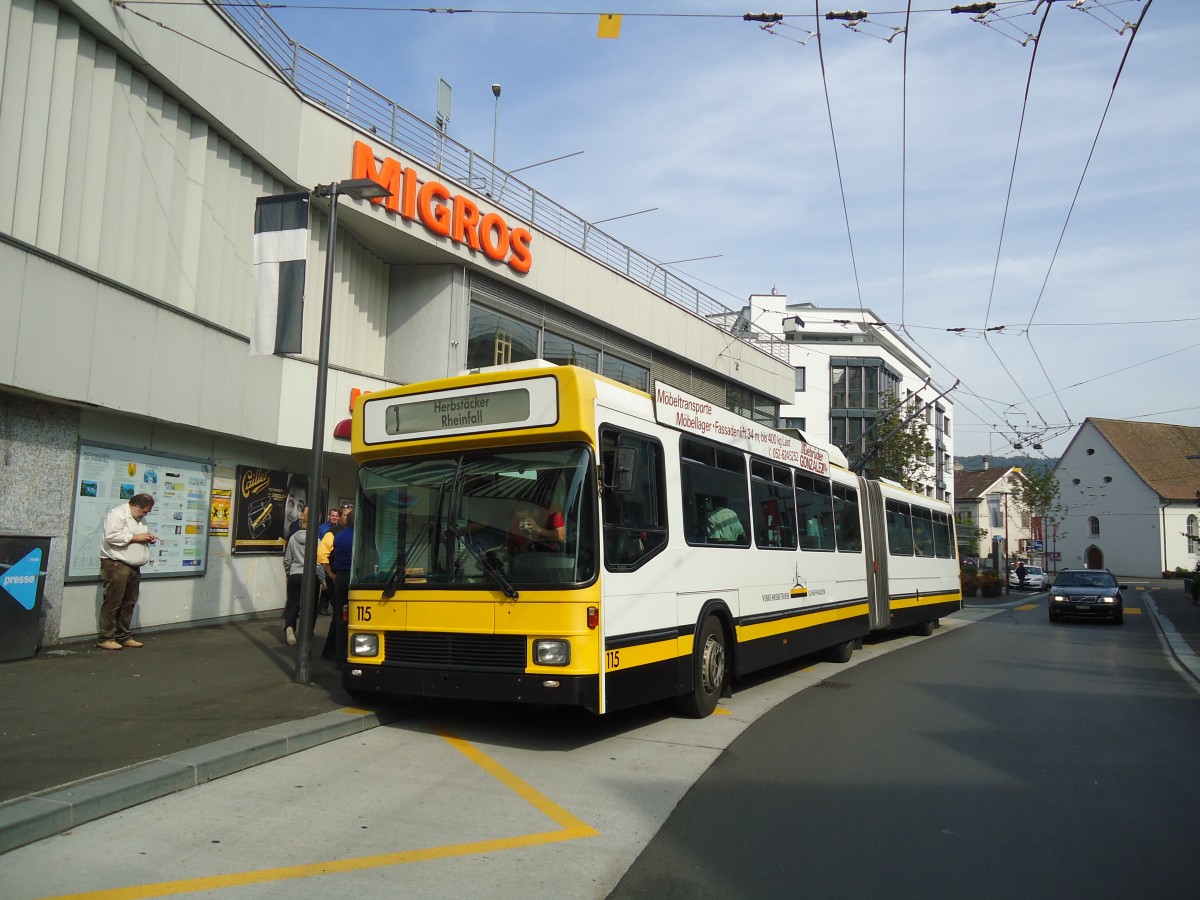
(906, 324)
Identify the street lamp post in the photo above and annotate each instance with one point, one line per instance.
(359, 189)
(495, 127)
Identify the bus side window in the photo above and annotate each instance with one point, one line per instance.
(634, 510)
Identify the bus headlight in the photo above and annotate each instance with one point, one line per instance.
(364, 645)
(552, 653)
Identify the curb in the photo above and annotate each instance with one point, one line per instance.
(1180, 654)
(53, 811)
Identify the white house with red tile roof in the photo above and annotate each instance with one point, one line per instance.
(1130, 495)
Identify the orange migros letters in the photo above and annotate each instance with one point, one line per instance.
(444, 213)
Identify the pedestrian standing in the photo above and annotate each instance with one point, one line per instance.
(325, 532)
(333, 523)
(293, 570)
(337, 572)
(123, 551)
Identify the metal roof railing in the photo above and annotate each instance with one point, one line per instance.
(344, 95)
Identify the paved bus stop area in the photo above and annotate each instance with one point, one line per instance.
(87, 732)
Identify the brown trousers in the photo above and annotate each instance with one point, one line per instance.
(121, 585)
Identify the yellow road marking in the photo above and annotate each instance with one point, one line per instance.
(570, 828)
(1133, 610)
(722, 711)
(1025, 607)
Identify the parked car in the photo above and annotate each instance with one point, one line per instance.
(1035, 579)
(1087, 592)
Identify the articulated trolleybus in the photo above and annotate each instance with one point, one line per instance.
(546, 535)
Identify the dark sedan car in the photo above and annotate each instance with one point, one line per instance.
(1087, 592)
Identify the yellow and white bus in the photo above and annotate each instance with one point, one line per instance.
(546, 535)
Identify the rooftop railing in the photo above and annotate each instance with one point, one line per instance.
(344, 95)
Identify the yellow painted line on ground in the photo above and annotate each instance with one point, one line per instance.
(571, 828)
(1133, 610)
(722, 711)
(1025, 607)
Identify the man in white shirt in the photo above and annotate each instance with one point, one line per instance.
(123, 552)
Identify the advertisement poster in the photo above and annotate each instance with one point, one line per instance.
(181, 489)
(218, 513)
(265, 503)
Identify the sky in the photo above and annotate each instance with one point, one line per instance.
(952, 178)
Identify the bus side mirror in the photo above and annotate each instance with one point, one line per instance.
(618, 472)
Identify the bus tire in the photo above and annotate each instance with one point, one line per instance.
(708, 672)
(840, 653)
(925, 629)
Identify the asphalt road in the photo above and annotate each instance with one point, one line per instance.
(1014, 758)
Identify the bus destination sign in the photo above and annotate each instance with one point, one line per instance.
(526, 404)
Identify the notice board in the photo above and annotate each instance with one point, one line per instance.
(181, 487)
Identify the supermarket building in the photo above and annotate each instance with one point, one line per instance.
(132, 154)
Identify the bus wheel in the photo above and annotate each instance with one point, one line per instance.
(840, 653)
(708, 672)
(925, 629)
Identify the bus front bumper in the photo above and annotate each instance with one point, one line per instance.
(538, 688)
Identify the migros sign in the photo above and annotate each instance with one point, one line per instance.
(443, 212)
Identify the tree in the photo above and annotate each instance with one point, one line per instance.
(899, 450)
(1037, 492)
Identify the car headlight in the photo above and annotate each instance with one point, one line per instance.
(552, 653)
(364, 645)
(1109, 599)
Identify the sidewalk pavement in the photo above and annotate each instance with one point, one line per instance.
(86, 732)
(192, 705)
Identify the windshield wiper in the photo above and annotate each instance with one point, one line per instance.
(490, 569)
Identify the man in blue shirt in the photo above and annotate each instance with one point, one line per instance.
(338, 569)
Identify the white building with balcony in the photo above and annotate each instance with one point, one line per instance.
(847, 364)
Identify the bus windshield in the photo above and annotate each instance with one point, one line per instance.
(499, 519)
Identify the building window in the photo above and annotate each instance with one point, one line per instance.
(1193, 534)
(563, 351)
(495, 340)
(626, 372)
(801, 378)
(798, 422)
(1093, 526)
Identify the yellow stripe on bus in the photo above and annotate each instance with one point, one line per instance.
(801, 620)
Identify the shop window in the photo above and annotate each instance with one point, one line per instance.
(494, 339)
(626, 372)
(564, 351)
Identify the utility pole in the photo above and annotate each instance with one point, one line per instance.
(1006, 587)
